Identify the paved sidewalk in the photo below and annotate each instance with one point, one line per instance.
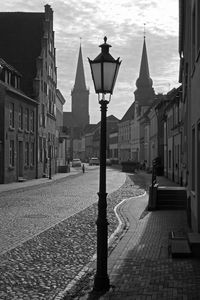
(140, 266)
(33, 182)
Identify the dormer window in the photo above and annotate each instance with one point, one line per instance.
(6, 76)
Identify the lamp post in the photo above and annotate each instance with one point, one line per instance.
(104, 69)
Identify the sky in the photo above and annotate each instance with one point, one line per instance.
(122, 21)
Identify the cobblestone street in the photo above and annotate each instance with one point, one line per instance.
(42, 266)
(26, 212)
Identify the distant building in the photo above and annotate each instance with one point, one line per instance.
(113, 146)
(124, 136)
(27, 43)
(131, 131)
(62, 138)
(77, 120)
(17, 128)
(92, 137)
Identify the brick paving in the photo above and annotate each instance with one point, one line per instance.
(140, 266)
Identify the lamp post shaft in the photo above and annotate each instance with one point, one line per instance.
(101, 281)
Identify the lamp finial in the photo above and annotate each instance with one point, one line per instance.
(105, 39)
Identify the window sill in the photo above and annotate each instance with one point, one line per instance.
(11, 128)
(20, 130)
(10, 168)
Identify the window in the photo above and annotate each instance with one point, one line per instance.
(26, 153)
(32, 153)
(40, 148)
(11, 115)
(170, 158)
(21, 117)
(45, 88)
(198, 26)
(6, 76)
(11, 153)
(50, 102)
(27, 119)
(32, 121)
(193, 35)
(43, 115)
(193, 159)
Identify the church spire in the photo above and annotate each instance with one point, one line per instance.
(144, 93)
(80, 76)
(80, 95)
(144, 79)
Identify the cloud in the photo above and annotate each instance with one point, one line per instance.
(123, 23)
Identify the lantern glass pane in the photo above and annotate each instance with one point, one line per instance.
(96, 71)
(116, 73)
(109, 75)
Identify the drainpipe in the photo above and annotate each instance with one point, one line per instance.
(37, 136)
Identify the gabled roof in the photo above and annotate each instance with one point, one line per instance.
(112, 118)
(129, 115)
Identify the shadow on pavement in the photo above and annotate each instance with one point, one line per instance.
(147, 269)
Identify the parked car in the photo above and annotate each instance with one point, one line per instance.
(108, 162)
(94, 161)
(76, 162)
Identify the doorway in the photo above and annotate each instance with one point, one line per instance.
(198, 175)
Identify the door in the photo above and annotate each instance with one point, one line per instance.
(1, 162)
(198, 175)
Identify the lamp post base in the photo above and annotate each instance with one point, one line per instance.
(101, 284)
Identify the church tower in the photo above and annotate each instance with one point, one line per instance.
(80, 96)
(144, 94)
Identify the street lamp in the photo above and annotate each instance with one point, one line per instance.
(104, 69)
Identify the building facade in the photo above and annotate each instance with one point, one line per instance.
(189, 51)
(30, 49)
(17, 128)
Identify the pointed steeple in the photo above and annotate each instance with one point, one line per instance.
(80, 76)
(144, 93)
(80, 95)
(144, 79)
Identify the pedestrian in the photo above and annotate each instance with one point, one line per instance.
(83, 168)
